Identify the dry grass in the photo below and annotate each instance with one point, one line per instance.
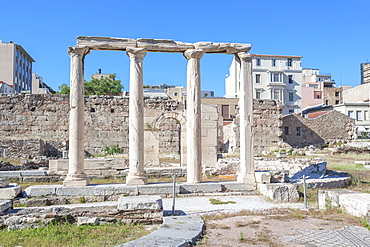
(360, 176)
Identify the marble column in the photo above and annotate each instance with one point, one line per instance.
(136, 175)
(246, 119)
(76, 175)
(193, 115)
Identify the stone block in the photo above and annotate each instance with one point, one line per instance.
(330, 198)
(10, 174)
(140, 202)
(175, 231)
(281, 192)
(33, 173)
(157, 189)
(5, 205)
(41, 190)
(115, 189)
(10, 192)
(200, 188)
(236, 186)
(262, 177)
(75, 191)
(357, 204)
(88, 221)
(3, 184)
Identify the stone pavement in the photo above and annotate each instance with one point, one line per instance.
(348, 236)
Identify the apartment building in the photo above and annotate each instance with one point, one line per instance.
(365, 73)
(275, 77)
(39, 86)
(318, 88)
(15, 66)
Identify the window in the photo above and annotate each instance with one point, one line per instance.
(359, 115)
(290, 62)
(291, 96)
(337, 102)
(336, 94)
(290, 79)
(326, 102)
(291, 111)
(286, 130)
(225, 111)
(275, 77)
(298, 131)
(276, 95)
(175, 94)
(258, 62)
(258, 94)
(273, 62)
(351, 114)
(258, 78)
(365, 115)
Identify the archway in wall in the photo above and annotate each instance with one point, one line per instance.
(169, 137)
(171, 131)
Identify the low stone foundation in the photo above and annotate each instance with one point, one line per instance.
(351, 202)
(135, 210)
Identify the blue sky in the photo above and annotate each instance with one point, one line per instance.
(333, 36)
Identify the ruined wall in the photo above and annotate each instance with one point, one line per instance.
(301, 132)
(46, 117)
(267, 128)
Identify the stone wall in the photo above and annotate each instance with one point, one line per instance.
(299, 132)
(46, 117)
(267, 120)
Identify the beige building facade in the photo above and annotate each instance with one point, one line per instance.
(365, 73)
(15, 66)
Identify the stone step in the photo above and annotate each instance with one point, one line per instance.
(5, 205)
(175, 231)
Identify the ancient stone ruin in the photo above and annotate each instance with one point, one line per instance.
(136, 50)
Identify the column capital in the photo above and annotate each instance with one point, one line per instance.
(138, 53)
(194, 53)
(74, 51)
(243, 56)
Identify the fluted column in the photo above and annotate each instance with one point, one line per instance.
(136, 175)
(246, 119)
(76, 175)
(193, 115)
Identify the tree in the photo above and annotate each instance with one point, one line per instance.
(63, 89)
(102, 86)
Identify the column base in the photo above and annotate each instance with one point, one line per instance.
(192, 181)
(136, 180)
(246, 178)
(76, 180)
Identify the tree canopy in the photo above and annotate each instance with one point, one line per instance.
(101, 86)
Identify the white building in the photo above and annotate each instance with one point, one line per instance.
(274, 77)
(358, 111)
(15, 66)
(6, 88)
(39, 86)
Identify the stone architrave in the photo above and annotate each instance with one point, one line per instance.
(193, 115)
(136, 175)
(76, 175)
(246, 119)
